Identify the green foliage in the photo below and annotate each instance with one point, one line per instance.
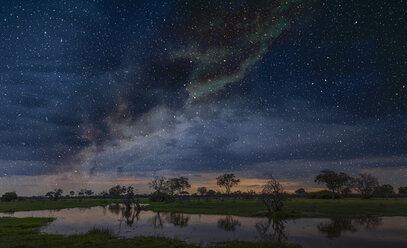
(43, 204)
(261, 244)
(227, 181)
(292, 207)
(24, 233)
(54, 195)
(300, 191)
(9, 196)
(333, 181)
(117, 191)
(365, 184)
(178, 184)
(403, 191)
(385, 190)
(322, 194)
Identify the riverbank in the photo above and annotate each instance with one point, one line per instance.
(45, 204)
(292, 207)
(24, 233)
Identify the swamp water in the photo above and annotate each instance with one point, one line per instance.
(206, 229)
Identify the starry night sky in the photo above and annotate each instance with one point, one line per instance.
(118, 89)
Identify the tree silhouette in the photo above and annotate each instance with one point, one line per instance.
(333, 181)
(227, 181)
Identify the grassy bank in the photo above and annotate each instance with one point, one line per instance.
(292, 208)
(44, 204)
(24, 233)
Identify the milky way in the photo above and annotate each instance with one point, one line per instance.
(147, 87)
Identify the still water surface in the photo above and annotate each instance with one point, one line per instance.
(206, 229)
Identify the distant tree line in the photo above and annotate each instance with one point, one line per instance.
(339, 185)
(364, 184)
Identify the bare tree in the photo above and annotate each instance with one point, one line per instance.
(158, 184)
(272, 195)
(365, 184)
(227, 181)
(162, 191)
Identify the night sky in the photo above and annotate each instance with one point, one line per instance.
(95, 93)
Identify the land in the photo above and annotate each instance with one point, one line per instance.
(45, 204)
(24, 233)
(292, 207)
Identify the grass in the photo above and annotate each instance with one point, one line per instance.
(44, 204)
(227, 207)
(348, 207)
(24, 233)
(292, 208)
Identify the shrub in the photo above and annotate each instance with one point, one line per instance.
(9, 196)
(323, 194)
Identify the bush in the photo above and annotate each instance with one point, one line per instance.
(9, 196)
(323, 194)
(160, 197)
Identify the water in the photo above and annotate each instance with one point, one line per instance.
(206, 229)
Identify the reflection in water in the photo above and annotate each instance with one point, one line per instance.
(337, 225)
(157, 221)
(128, 213)
(178, 219)
(203, 229)
(229, 223)
(271, 229)
(369, 222)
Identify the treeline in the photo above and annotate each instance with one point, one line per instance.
(363, 185)
(339, 185)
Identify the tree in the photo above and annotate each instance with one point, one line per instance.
(104, 195)
(58, 193)
(202, 190)
(54, 195)
(272, 195)
(117, 191)
(300, 191)
(72, 193)
(129, 196)
(159, 184)
(81, 192)
(385, 190)
(346, 191)
(178, 184)
(402, 190)
(365, 184)
(333, 181)
(227, 181)
(9, 196)
(211, 192)
(89, 192)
